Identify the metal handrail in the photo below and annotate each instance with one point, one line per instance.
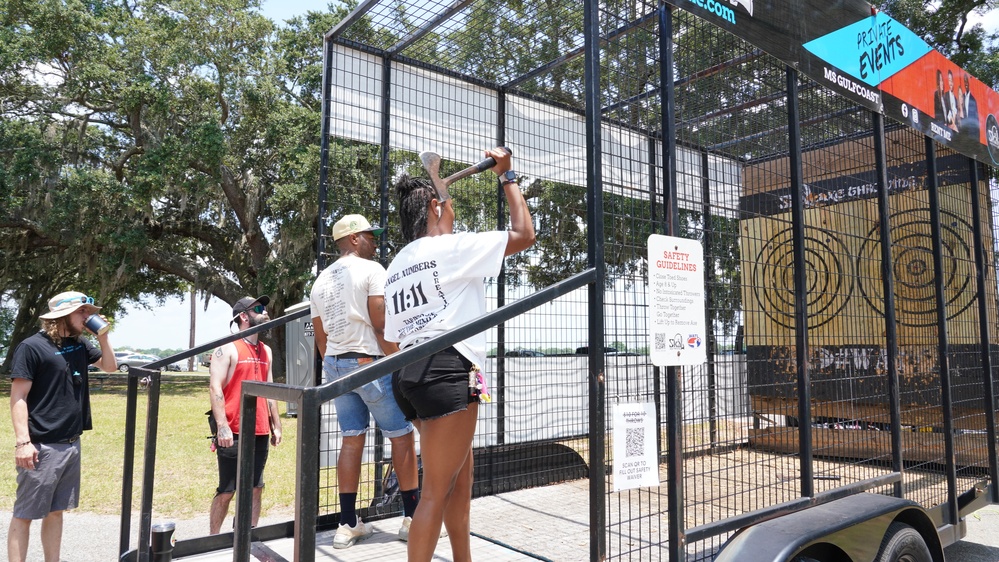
(310, 399)
(152, 372)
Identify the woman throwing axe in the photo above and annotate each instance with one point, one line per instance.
(435, 284)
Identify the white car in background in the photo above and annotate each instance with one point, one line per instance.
(177, 365)
(134, 360)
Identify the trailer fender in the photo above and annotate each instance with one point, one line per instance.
(848, 529)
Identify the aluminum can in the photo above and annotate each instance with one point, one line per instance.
(96, 324)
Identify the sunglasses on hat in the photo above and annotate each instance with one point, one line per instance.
(74, 300)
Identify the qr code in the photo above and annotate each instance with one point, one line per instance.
(634, 442)
(660, 343)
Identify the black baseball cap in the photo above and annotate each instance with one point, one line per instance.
(246, 303)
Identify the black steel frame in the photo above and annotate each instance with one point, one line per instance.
(888, 284)
(984, 327)
(671, 219)
(152, 372)
(800, 287)
(310, 400)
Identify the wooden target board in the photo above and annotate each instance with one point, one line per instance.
(844, 272)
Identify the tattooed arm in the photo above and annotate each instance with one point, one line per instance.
(272, 407)
(219, 371)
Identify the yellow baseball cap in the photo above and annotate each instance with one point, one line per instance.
(354, 224)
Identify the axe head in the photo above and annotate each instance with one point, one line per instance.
(432, 163)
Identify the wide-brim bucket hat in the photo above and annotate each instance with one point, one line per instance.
(67, 303)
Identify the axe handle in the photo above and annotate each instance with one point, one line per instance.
(473, 169)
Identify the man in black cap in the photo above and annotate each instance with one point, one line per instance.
(50, 408)
(245, 359)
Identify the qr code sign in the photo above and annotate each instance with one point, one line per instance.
(660, 343)
(634, 442)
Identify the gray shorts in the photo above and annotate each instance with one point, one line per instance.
(54, 484)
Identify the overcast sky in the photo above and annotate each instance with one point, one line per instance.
(990, 21)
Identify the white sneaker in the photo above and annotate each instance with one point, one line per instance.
(346, 535)
(404, 529)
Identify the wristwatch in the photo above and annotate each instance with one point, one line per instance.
(508, 176)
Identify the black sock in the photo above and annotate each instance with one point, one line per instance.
(410, 498)
(348, 513)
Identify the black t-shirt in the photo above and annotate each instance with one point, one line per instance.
(59, 399)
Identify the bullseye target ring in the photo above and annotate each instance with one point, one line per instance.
(829, 277)
(912, 267)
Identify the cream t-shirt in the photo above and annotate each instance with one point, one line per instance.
(340, 299)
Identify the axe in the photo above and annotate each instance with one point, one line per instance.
(432, 163)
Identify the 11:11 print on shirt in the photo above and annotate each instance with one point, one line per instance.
(404, 298)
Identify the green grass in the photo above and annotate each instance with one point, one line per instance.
(186, 472)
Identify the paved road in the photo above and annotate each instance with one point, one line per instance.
(94, 538)
(982, 542)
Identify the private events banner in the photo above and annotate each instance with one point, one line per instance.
(871, 59)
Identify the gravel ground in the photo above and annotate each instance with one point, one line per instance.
(94, 538)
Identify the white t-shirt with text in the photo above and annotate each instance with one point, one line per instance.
(340, 299)
(437, 283)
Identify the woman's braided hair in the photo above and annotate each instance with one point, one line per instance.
(414, 203)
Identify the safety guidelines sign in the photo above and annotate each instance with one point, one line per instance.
(676, 301)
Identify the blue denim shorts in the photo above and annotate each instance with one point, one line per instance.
(355, 408)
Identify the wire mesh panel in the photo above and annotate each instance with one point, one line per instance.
(387, 111)
(354, 185)
(848, 410)
(958, 238)
(631, 181)
(915, 313)
(731, 107)
(989, 190)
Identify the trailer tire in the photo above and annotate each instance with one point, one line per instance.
(902, 543)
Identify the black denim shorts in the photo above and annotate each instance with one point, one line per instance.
(228, 463)
(434, 387)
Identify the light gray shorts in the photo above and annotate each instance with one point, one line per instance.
(54, 484)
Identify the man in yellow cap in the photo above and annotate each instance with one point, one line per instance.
(50, 408)
(348, 315)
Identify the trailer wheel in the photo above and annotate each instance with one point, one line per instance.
(902, 543)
